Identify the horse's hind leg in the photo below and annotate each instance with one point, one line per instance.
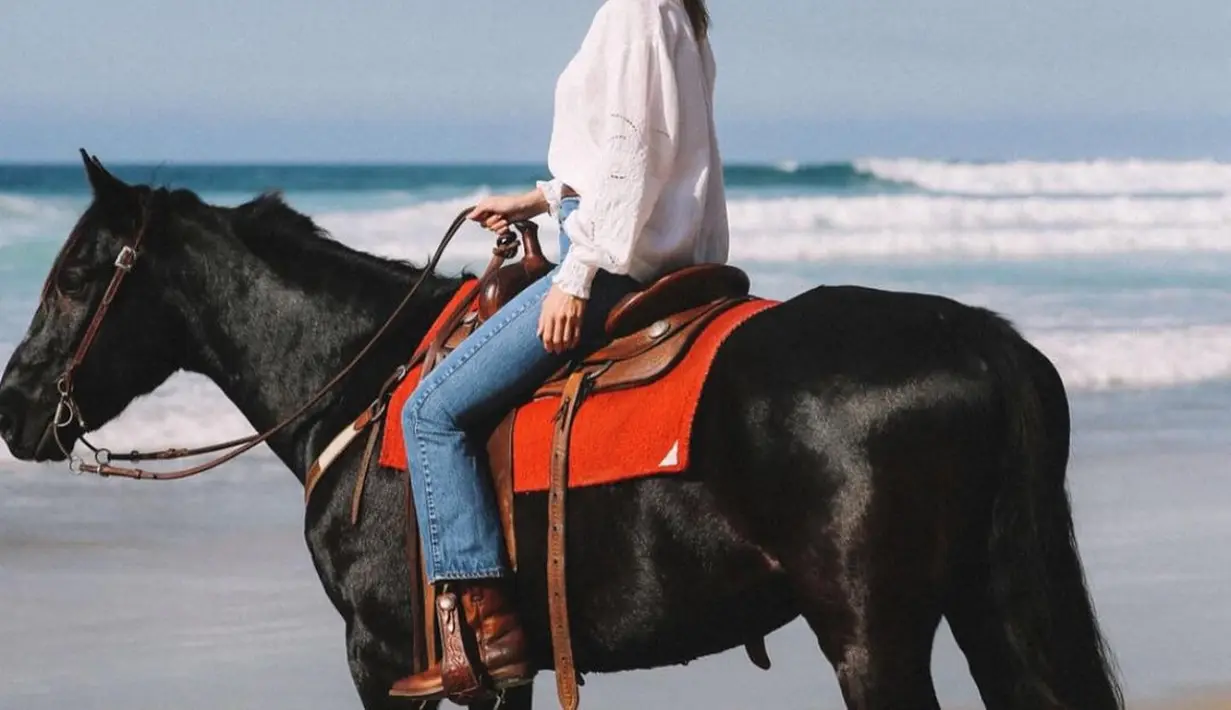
(980, 635)
(880, 648)
(872, 601)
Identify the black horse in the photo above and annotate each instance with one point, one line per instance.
(872, 461)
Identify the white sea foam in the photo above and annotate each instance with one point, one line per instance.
(795, 228)
(886, 226)
(785, 246)
(411, 232)
(25, 218)
(1138, 358)
(928, 212)
(20, 206)
(1096, 177)
(190, 411)
(805, 228)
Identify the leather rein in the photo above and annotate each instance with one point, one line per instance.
(68, 412)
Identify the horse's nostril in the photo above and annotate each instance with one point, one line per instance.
(8, 418)
(7, 425)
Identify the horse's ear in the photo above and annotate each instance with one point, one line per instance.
(102, 181)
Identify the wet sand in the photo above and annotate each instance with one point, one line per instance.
(200, 595)
(1206, 701)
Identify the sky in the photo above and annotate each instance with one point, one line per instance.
(472, 80)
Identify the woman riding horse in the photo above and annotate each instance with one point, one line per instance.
(872, 462)
(637, 189)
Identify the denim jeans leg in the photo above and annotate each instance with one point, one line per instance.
(494, 369)
(457, 513)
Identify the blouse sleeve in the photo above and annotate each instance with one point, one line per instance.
(636, 113)
(553, 191)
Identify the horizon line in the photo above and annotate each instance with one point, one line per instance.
(782, 164)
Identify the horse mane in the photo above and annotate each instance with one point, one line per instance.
(301, 251)
(274, 231)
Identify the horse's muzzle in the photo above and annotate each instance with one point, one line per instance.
(26, 438)
(12, 409)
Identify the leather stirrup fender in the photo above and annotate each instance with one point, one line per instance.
(557, 592)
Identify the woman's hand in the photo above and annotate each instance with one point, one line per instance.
(499, 211)
(560, 320)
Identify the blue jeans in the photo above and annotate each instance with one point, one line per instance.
(499, 366)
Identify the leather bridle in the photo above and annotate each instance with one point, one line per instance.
(68, 411)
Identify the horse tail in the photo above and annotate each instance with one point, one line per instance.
(1050, 646)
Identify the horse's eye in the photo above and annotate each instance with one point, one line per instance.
(73, 281)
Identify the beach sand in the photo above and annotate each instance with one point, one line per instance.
(1208, 701)
(200, 595)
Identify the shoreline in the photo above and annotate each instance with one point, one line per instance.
(1195, 699)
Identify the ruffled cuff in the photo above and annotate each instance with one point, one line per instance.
(575, 276)
(553, 192)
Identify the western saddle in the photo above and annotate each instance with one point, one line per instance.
(649, 332)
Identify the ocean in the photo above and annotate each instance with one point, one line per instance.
(201, 593)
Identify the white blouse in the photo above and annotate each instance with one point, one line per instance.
(633, 135)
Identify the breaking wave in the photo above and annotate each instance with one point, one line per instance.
(1095, 177)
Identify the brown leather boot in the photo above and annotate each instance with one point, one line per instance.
(498, 634)
(492, 626)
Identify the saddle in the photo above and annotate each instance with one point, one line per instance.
(648, 332)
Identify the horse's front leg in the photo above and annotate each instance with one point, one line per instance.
(519, 698)
(374, 669)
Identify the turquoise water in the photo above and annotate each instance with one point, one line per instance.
(421, 179)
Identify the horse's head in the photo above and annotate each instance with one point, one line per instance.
(138, 337)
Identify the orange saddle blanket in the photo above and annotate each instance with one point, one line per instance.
(617, 435)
